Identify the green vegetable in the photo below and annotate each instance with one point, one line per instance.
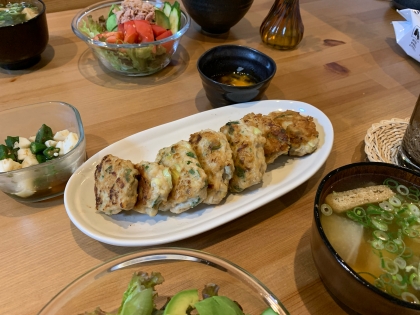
(190, 154)
(10, 141)
(50, 152)
(167, 8)
(269, 311)
(6, 153)
(91, 28)
(41, 158)
(44, 133)
(218, 305)
(162, 20)
(138, 298)
(111, 21)
(37, 147)
(182, 302)
(175, 18)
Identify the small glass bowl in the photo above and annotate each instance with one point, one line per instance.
(47, 179)
(150, 57)
(182, 269)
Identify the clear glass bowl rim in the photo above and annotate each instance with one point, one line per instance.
(57, 160)
(108, 3)
(179, 254)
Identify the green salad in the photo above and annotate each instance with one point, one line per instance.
(134, 22)
(140, 296)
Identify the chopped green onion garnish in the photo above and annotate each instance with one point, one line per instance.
(403, 190)
(326, 209)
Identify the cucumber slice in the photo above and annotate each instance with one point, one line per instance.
(167, 8)
(162, 20)
(175, 18)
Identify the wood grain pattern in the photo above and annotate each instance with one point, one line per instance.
(42, 251)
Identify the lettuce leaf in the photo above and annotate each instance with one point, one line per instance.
(92, 28)
(138, 299)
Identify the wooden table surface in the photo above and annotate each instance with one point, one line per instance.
(361, 81)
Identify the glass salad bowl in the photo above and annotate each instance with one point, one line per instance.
(182, 269)
(131, 59)
(48, 179)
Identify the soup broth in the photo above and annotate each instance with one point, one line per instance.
(236, 79)
(15, 13)
(380, 241)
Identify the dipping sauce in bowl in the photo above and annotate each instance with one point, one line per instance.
(236, 79)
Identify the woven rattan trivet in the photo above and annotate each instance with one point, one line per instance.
(383, 140)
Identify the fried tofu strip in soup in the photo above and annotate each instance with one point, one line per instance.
(300, 129)
(155, 184)
(215, 156)
(247, 144)
(277, 141)
(189, 180)
(115, 185)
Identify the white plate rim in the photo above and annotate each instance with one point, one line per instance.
(74, 193)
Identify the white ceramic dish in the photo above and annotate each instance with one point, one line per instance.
(135, 229)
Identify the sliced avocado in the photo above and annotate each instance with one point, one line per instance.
(269, 311)
(162, 20)
(218, 305)
(111, 23)
(181, 302)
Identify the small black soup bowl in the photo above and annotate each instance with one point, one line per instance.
(348, 285)
(217, 16)
(227, 59)
(21, 44)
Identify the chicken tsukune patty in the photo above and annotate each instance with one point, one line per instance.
(247, 145)
(300, 129)
(277, 141)
(189, 180)
(116, 185)
(215, 156)
(155, 184)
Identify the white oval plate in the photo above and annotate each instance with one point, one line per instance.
(135, 229)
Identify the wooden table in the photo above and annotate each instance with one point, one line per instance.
(361, 81)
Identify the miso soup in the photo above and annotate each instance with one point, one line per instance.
(15, 13)
(380, 240)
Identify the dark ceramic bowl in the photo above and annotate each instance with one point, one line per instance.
(21, 44)
(406, 4)
(217, 16)
(226, 59)
(344, 283)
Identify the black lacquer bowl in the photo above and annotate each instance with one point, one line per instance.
(217, 16)
(21, 44)
(227, 59)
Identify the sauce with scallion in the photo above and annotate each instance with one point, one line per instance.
(380, 241)
(236, 79)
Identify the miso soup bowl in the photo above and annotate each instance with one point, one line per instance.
(352, 292)
(22, 44)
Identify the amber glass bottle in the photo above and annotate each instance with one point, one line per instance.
(283, 27)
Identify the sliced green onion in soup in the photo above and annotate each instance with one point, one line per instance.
(391, 247)
(326, 209)
(394, 201)
(414, 190)
(389, 266)
(413, 197)
(415, 281)
(391, 183)
(414, 209)
(409, 297)
(385, 205)
(379, 224)
(380, 235)
(400, 262)
(377, 244)
(359, 212)
(403, 190)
